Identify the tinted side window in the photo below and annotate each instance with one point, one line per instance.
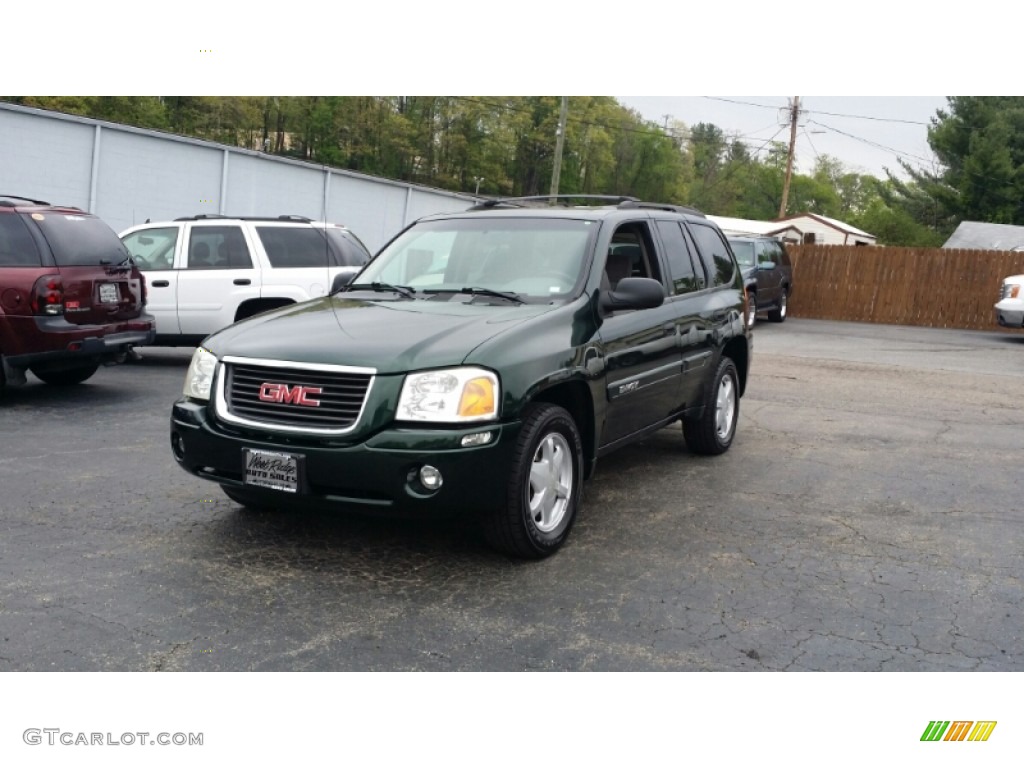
(783, 255)
(680, 263)
(295, 246)
(218, 248)
(17, 249)
(714, 253)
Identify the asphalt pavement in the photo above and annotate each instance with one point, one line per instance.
(866, 518)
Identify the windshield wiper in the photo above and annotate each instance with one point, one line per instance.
(402, 290)
(478, 291)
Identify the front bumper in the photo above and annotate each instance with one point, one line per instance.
(1010, 313)
(376, 475)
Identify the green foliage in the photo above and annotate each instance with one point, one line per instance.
(979, 143)
(505, 145)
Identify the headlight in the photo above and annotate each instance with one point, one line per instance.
(450, 395)
(199, 379)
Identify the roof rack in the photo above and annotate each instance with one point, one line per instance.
(550, 200)
(285, 217)
(12, 198)
(634, 203)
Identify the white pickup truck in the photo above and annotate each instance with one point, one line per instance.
(1010, 308)
(207, 272)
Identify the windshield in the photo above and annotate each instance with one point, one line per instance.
(744, 251)
(538, 259)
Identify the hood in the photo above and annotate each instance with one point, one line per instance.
(389, 336)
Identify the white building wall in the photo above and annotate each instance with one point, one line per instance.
(824, 234)
(127, 175)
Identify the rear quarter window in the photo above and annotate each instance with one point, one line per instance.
(17, 248)
(349, 250)
(80, 240)
(288, 247)
(714, 253)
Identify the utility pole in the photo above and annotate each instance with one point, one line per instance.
(556, 172)
(794, 113)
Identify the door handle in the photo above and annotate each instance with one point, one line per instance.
(242, 281)
(160, 283)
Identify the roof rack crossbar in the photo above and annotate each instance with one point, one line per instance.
(661, 207)
(550, 199)
(24, 199)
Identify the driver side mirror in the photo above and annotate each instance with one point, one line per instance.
(341, 280)
(633, 293)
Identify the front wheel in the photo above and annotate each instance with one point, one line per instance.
(544, 486)
(751, 309)
(63, 377)
(713, 432)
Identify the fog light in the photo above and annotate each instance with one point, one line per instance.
(478, 438)
(430, 477)
(177, 446)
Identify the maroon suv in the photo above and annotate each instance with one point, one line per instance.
(71, 298)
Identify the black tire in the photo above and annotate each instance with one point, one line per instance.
(714, 431)
(535, 521)
(249, 502)
(778, 315)
(751, 308)
(65, 377)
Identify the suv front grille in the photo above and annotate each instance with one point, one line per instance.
(293, 397)
(1005, 293)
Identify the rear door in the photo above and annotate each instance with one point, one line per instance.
(688, 286)
(216, 275)
(101, 285)
(298, 260)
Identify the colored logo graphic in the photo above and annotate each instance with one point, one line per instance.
(958, 730)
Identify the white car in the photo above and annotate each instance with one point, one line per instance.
(207, 272)
(1010, 309)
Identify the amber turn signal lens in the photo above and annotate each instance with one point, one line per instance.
(477, 398)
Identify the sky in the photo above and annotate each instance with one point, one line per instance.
(867, 134)
(878, 72)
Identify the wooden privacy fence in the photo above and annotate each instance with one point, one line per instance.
(936, 287)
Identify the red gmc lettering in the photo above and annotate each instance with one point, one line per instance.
(282, 393)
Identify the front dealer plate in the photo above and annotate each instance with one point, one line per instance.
(268, 469)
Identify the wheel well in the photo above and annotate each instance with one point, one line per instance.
(255, 306)
(737, 350)
(575, 397)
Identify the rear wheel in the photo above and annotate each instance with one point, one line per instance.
(779, 315)
(713, 432)
(63, 377)
(544, 486)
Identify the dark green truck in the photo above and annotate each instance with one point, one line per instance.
(484, 360)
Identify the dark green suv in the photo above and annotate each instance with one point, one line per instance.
(483, 360)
